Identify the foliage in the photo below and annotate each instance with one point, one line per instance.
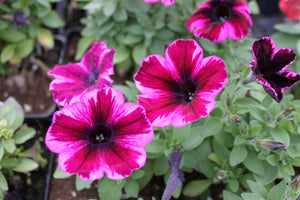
(13, 135)
(19, 42)
(135, 29)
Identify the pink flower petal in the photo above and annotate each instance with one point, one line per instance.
(184, 55)
(211, 75)
(74, 80)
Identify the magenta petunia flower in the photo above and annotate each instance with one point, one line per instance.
(269, 67)
(165, 2)
(218, 19)
(100, 134)
(179, 88)
(73, 80)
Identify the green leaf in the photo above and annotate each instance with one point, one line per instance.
(109, 189)
(120, 15)
(160, 166)
(9, 145)
(122, 53)
(3, 182)
(24, 48)
(81, 184)
(3, 24)
(270, 174)
(132, 188)
(196, 187)
(12, 36)
(278, 191)
(156, 146)
(237, 155)
(251, 196)
(12, 111)
(60, 174)
(7, 52)
(230, 196)
(83, 46)
(25, 165)
(181, 133)
(137, 174)
(257, 188)
(211, 127)
(1, 151)
(23, 135)
(109, 8)
(45, 38)
(233, 185)
(139, 52)
(131, 39)
(288, 28)
(280, 135)
(254, 164)
(9, 163)
(52, 20)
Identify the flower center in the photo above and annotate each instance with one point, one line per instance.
(93, 76)
(100, 133)
(222, 12)
(187, 89)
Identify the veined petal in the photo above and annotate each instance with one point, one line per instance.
(275, 92)
(132, 127)
(238, 26)
(164, 2)
(284, 79)
(262, 51)
(159, 109)
(87, 163)
(282, 58)
(199, 107)
(184, 56)
(211, 75)
(122, 160)
(155, 74)
(99, 57)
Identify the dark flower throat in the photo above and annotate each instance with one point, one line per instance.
(222, 12)
(186, 90)
(100, 133)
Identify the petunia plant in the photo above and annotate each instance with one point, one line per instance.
(23, 24)
(219, 105)
(14, 134)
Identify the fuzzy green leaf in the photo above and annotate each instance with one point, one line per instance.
(230, 196)
(3, 182)
(45, 38)
(12, 36)
(196, 187)
(25, 165)
(7, 52)
(132, 188)
(23, 135)
(237, 155)
(24, 48)
(52, 20)
(83, 45)
(278, 191)
(81, 184)
(60, 174)
(254, 164)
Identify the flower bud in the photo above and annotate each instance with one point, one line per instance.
(20, 19)
(271, 145)
(236, 119)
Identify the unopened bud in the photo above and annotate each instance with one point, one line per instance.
(271, 145)
(295, 184)
(221, 174)
(236, 119)
(20, 19)
(287, 111)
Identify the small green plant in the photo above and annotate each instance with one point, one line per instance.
(23, 24)
(13, 134)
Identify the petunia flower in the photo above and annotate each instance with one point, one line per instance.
(179, 88)
(74, 80)
(100, 134)
(164, 2)
(216, 20)
(269, 67)
(20, 19)
(291, 8)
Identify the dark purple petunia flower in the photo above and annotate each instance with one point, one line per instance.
(20, 19)
(269, 67)
(179, 88)
(218, 19)
(74, 80)
(100, 134)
